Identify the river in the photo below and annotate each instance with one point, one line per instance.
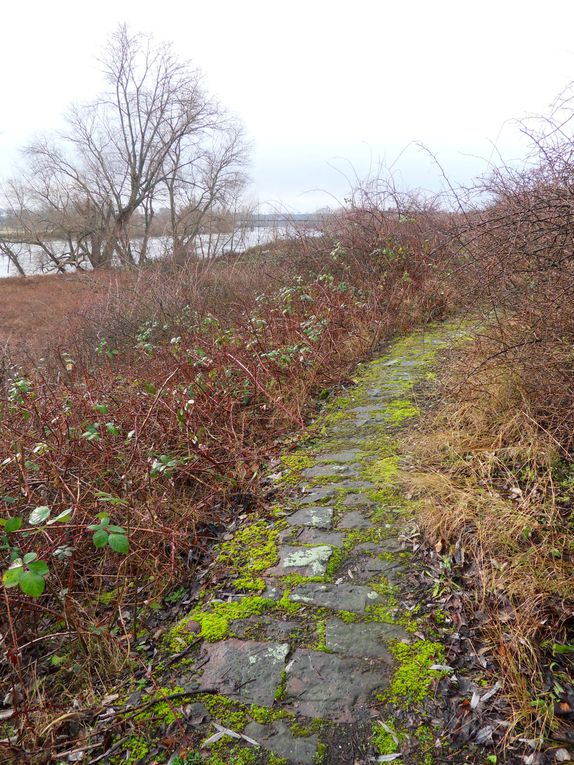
(34, 260)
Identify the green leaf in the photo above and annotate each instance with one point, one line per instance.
(101, 408)
(29, 557)
(39, 515)
(12, 524)
(11, 578)
(100, 538)
(119, 543)
(32, 584)
(116, 529)
(63, 516)
(39, 567)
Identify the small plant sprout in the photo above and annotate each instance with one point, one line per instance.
(105, 533)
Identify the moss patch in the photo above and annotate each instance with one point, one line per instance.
(386, 739)
(214, 620)
(413, 678)
(251, 551)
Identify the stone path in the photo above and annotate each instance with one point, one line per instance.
(301, 655)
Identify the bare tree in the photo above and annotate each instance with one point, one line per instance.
(153, 138)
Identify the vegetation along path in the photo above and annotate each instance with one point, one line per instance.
(316, 656)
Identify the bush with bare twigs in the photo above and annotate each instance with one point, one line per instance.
(145, 429)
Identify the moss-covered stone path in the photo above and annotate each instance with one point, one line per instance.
(305, 654)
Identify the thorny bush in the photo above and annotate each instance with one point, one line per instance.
(146, 428)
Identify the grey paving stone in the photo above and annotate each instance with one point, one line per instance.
(246, 670)
(321, 471)
(330, 686)
(357, 499)
(273, 629)
(277, 738)
(367, 569)
(339, 597)
(354, 520)
(321, 517)
(389, 544)
(307, 561)
(320, 537)
(369, 640)
(317, 495)
(345, 455)
(355, 485)
(369, 409)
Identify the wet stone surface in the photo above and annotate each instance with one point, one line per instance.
(317, 537)
(321, 471)
(306, 561)
(369, 639)
(338, 597)
(277, 737)
(354, 520)
(318, 517)
(249, 671)
(334, 687)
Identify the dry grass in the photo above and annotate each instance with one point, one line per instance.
(34, 309)
(495, 488)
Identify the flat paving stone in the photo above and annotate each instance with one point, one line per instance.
(321, 517)
(277, 738)
(357, 499)
(369, 639)
(307, 561)
(322, 471)
(320, 537)
(329, 686)
(364, 567)
(354, 520)
(246, 670)
(355, 485)
(338, 597)
(389, 544)
(317, 495)
(272, 629)
(345, 455)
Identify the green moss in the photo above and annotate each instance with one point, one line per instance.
(161, 711)
(138, 749)
(413, 678)
(348, 617)
(386, 738)
(382, 471)
(250, 583)
(399, 410)
(321, 644)
(295, 464)
(251, 551)
(229, 713)
(289, 606)
(297, 461)
(335, 561)
(361, 536)
(293, 580)
(214, 620)
(282, 687)
(264, 715)
(236, 754)
(303, 731)
(321, 754)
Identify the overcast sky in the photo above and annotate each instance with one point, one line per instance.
(325, 89)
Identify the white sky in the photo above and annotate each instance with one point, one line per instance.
(324, 88)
